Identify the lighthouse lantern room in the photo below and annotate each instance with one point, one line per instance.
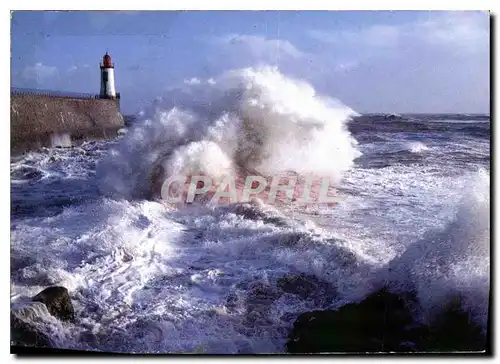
(107, 78)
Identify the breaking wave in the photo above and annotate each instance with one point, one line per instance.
(245, 121)
(454, 262)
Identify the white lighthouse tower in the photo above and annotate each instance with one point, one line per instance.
(107, 78)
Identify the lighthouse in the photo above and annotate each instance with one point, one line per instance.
(107, 78)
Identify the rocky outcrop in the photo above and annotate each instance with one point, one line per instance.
(58, 302)
(383, 322)
(24, 330)
(306, 286)
(374, 325)
(27, 320)
(453, 330)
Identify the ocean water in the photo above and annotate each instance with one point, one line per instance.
(146, 276)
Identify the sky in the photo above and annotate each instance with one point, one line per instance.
(373, 61)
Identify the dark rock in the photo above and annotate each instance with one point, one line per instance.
(383, 322)
(58, 302)
(306, 286)
(373, 325)
(453, 330)
(24, 333)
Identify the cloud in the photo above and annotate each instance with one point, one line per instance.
(243, 50)
(198, 81)
(384, 36)
(467, 31)
(455, 31)
(39, 73)
(437, 62)
(259, 46)
(192, 81)
(78, 67)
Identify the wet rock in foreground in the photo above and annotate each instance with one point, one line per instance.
(23, 330)
(26, 321)
(58, 302)
(383, 322)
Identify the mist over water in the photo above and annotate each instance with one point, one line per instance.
(243, 122)
(454, 260)
(147, 277)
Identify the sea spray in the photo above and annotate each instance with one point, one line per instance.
(249, 121)
(453, 262)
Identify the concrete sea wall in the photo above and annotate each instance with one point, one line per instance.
(44, 120)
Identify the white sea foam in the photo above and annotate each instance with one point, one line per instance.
(146, 279)
(453, 261)
(417, 147)
(245, 120)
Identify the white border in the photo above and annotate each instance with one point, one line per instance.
(182, 5)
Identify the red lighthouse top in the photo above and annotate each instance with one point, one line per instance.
(106, 61)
